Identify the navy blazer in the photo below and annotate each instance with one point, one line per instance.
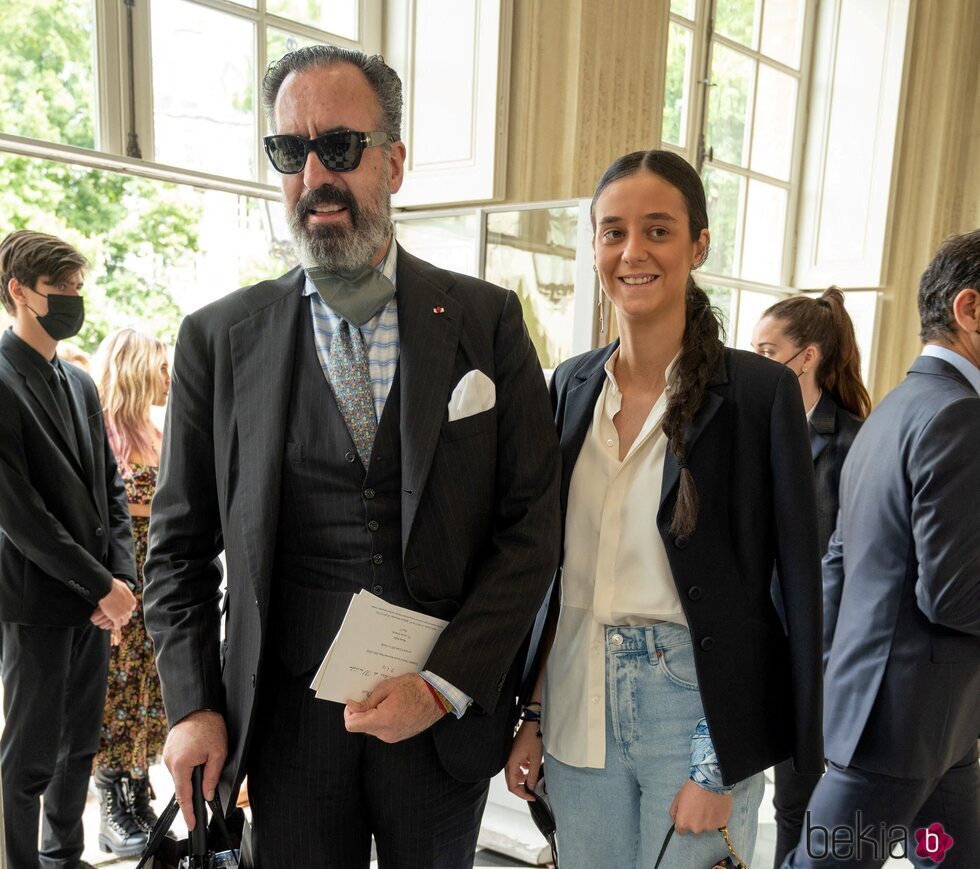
(64, 517)
(748, 451)
(902, 583)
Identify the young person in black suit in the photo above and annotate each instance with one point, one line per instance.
(815, 339)
(66, 555)
(671, 683)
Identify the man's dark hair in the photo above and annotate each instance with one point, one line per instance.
(27, 256)
(955, 267)
(384, 81)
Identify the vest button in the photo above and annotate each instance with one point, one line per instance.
(378, 558)
(694, 592)
(369, 493)
(707, 644)
(373, 525)
(349, 456)
(378, 589)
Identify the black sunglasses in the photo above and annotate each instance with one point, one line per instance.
(339, 152)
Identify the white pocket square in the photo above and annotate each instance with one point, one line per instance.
(473, 394)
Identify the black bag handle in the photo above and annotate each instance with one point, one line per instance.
(198, 837)
(663, 848)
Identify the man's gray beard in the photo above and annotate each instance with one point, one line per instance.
(344, 250)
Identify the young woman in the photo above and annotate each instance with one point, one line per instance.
(670, 682)
(132, 374)
(814, 338)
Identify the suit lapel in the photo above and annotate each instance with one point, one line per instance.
(580, 400)
(429, 323)
(822, 425)
(695, 428)
(84, 436)
(262, 351)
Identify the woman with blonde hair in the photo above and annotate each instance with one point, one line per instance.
(132, 374)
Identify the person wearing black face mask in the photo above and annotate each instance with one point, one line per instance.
(66, 555)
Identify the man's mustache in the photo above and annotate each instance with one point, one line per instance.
(327, 195)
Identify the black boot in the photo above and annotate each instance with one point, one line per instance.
(140, 810)
(118, 832)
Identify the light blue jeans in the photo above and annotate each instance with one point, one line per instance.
(618, 816)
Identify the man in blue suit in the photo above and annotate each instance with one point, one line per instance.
(902, 606)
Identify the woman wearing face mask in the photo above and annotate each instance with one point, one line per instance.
(667, 683)
(132, 375)
(814, 338)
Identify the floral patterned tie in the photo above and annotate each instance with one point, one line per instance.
(351, 384)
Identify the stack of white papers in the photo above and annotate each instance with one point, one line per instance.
(376, 641)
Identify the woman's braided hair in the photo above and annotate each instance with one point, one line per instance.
(701, 347)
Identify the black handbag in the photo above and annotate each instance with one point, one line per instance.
(732, 861)
(214, 845)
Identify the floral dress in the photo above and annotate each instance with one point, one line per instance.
(134, 725)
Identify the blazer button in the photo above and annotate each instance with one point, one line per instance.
(253, 680)
(373, 525)
(98, 532)
(680, 542)
(369, 493)
(707, 644)
(694, 592)
(349, 457)
(378, 589)
(378, 558)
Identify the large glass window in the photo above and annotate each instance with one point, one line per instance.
(47, 70)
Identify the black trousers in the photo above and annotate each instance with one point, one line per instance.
(54, 686)
(318, 793)
(793, 791)
(886, 806)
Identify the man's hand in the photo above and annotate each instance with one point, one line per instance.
(101, 620)
(118, 604)
(696, 810)
(524, 764)
(199, 738)
(397, 709)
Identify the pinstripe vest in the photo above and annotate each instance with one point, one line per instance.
(339, 529)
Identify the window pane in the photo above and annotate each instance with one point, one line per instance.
(751, 306)
(729, 104)
(782, 31)
(725, 194)
(532, 252)
(335, 16)
(738, 20)
(279, 43)
(47, 71)
(683, 7)
(765, 226)
(448, 242)
(210, 128)
(775, 120)
(678, 85)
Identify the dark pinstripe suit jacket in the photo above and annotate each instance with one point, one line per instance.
(479, 506)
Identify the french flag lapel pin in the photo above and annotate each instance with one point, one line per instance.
(439, 310)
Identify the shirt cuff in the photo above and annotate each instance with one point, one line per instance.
(705, 771)
(459, 701)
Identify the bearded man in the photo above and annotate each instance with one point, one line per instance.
(366, 421)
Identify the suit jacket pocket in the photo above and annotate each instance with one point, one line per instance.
(948, 650)
(478, 423)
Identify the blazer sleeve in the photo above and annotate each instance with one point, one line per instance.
(833, 587)
(181, 596)
(476, 649)
(121, 561)
(31, 527)
(798, 566)
(945, 478)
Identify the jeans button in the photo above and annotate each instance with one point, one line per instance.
(617, 639)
